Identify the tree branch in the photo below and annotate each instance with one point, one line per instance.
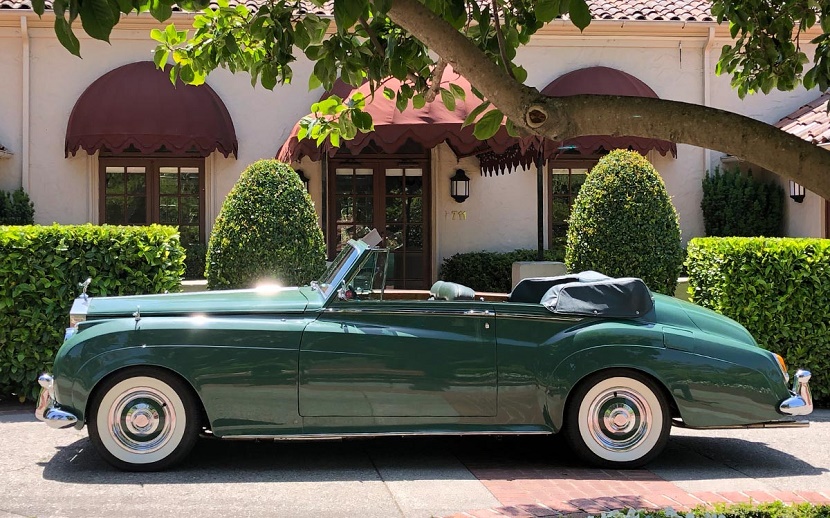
(558, 118)
(437, 76)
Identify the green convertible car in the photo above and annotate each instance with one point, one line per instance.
(604, 361)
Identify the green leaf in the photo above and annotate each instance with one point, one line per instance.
(475, 113)
(67, 38)
(161, 10)
(160, 57)
(448, 99)
(314, 82)
(488, 125)
(388, 93)
(580, 14)
(347, 12)
(458, 92)
(547, 10)
(418, 101)
(158, 35)
(97, 19)
(301, 37)
(38, 6)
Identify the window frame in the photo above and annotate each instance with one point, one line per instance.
(152, 167)
(586, 163)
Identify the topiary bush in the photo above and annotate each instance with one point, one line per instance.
(194, 262)
(16, 208)
(490, 271)
(735, 204)
(266, 230)
(623, 224)
(41, 267)
(778, 288)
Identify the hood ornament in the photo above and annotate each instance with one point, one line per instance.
(84, 285)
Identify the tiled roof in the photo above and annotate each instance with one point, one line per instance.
(678, 10)
(305, 6)
(671, 10)
(810, 122)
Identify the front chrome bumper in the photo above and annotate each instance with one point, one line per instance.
(47, 409)
(800, 401)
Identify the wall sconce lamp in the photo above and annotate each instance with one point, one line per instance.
(459, 186)
(796, 192)
(303, 178)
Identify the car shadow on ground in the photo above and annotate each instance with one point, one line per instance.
(412, 458)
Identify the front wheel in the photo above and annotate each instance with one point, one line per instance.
(617, 419)
(143, 419)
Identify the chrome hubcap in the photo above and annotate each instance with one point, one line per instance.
(619, 419)
(141, 420)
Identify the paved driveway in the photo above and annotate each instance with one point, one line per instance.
(46, 472)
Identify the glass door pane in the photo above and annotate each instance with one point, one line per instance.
(125, 195)
(353, 203)
(404, 227)
(179, 203)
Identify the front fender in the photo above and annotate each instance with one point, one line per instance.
(244, 370)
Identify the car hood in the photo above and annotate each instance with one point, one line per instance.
(260, 300)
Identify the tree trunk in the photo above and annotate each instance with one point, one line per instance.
(559, 118)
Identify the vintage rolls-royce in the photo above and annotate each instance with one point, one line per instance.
(604, 361)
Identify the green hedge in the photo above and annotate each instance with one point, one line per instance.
(40, 268)
(778, 288)
(16, 208)
(765, 510)
(736, 204)
(490, 271)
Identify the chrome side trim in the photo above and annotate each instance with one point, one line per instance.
(800, 401)
(383, 311)
(47, 411)
(769, 424)
(334, 436)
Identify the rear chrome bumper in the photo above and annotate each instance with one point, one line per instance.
(800, 401)
(47, 410)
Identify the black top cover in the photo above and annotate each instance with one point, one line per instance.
(625, 297)
(531, 289)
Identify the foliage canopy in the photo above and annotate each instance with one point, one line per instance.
(412, 41)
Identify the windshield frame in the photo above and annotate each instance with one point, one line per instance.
(338, 269)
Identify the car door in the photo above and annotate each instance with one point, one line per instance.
(374, 358)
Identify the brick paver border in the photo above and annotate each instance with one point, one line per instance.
(529, 492)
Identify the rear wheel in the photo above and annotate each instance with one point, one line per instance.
(143, 419)
(617, 419)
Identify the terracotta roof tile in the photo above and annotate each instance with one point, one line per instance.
(679, 10)
(671, 10)
(305, 6)
(810, 122)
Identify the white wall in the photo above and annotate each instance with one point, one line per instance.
(11, 54)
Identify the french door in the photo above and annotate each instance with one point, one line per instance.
(391, 195)
(140, 191)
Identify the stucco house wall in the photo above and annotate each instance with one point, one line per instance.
(675, 59)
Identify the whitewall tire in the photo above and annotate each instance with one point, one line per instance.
(143, 419)
(617, 419)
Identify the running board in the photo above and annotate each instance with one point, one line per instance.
(770, 424)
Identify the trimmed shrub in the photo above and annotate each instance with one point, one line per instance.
(623, 224)
(41, 267)
(735, 204)
(267, 230)
(490, 271)
(778, 288)
(16, 208)
(194, 261)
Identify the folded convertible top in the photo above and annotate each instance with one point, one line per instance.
(625, 297)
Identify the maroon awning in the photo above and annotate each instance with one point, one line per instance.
(137, 105)
(434, 124)
(604, 81)
(429, 126)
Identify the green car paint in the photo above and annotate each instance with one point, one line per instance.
(274, 362)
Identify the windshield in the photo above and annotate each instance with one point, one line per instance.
(337, 269)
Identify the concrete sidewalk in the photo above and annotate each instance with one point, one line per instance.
(45, 472)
